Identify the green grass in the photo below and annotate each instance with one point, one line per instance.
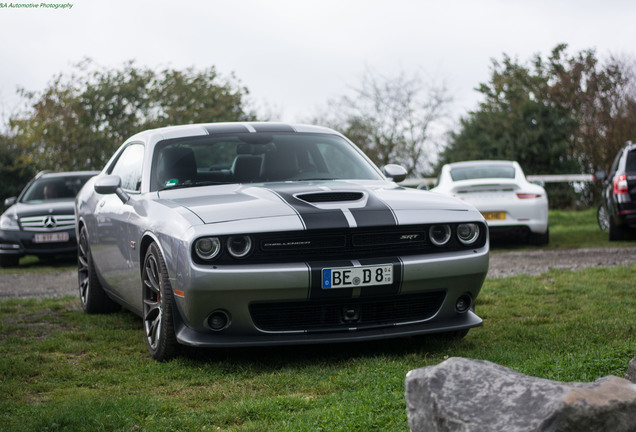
(63, 370)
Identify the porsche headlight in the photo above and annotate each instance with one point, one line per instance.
(468, 233)
(9, 222)
(207, 248)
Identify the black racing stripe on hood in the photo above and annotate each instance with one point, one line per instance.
(312, 217)
(375, 213)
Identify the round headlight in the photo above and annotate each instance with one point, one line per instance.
(207, 248)
(239, 246)
(468, 233)
(439, 234)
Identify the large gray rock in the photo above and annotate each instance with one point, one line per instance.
(631, 371)
(473, 395)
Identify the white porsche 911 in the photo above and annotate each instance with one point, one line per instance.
(500, 191)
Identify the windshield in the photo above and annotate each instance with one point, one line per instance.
(257, 158)
(59, 188)
(482, 171)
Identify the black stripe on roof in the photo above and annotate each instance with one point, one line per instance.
(272, 127)
(226, 128)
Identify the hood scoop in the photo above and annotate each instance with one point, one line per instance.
(330, 197)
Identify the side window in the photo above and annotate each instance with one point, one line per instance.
(630, 166)
(129, 166)
(615, 164)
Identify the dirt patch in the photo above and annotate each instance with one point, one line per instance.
(540, 261)
(502, 264)
(24, 285)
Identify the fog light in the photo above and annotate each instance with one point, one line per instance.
(219, 320)
(463, 303)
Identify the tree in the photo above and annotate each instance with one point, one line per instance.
(390, 118)
(15, 169)
(563, 114)
(602, 99)
(516, 121)
(80, 119)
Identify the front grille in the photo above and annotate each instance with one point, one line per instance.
(344, 244)
(346, 313)
(47, 223)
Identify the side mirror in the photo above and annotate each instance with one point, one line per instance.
(111, 184)
(600, 175)
(10, 201)
(397, 173)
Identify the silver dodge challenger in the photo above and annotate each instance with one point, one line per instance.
(252, 234)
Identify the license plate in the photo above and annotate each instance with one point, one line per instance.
(494, 215)
(349, 277)
(60, 237)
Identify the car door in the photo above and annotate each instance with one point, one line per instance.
(113, 255)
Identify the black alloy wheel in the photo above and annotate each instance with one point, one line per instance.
(158, 307)
(93, 298)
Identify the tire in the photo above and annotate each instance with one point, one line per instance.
(9, 260)
(602, 218)
(540, 239)
(93, 298)
(158, 309)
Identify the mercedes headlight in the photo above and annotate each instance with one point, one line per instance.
(9, 222)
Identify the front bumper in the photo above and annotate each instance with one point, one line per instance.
(201, 291)
(20, 243)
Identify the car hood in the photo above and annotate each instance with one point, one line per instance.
(329, 204)
(37, 208)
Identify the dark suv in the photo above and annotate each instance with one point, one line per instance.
(41, 221)
(617, 212)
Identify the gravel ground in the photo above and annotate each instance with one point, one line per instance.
(502, 264)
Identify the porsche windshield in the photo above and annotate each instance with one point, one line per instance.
(257, 158)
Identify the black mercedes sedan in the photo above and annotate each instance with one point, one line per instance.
(41, 220)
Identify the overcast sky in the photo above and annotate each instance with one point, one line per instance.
(295, 55)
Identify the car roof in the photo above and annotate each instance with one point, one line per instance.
(202, 129)
(50, 174)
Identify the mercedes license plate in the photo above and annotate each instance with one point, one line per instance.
(349, 277)
(60, 237)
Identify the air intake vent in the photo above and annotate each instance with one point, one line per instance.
(324, 197)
